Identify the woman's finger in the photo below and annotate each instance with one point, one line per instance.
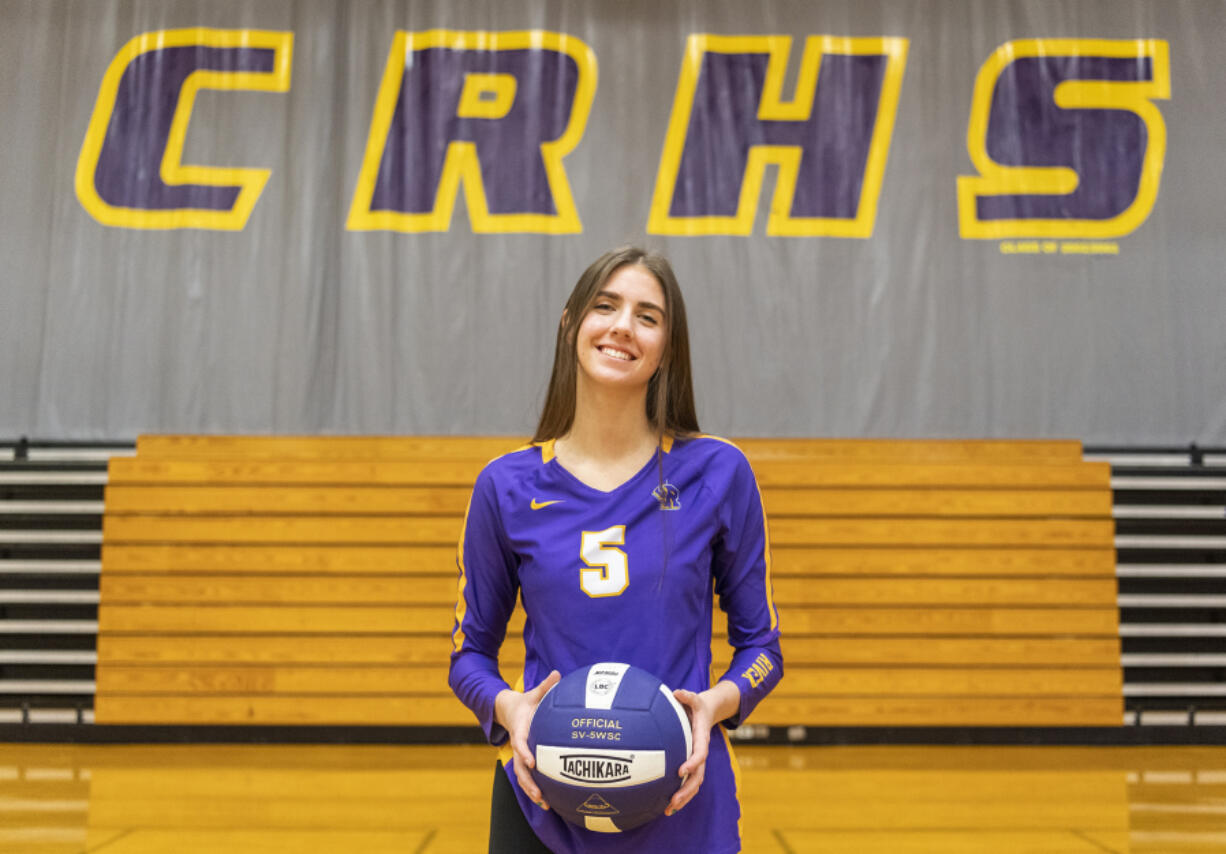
(700, 727)
(528, 785)
(698, 756)
(692, 769)
(539, 691)
(523, 758)
(688, 789)
(519, 747)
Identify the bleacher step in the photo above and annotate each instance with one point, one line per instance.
(50, 597)
(42, 656)
(50, 567)
(49, 627)
(51, 507)
(46, 686)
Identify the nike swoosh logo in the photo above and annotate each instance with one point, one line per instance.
(537, 505)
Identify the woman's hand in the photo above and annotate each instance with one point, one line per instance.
(514, 711)
(715, 704)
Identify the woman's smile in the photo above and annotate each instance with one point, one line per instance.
(616, 353)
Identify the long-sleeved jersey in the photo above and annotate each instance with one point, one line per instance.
(625, 575)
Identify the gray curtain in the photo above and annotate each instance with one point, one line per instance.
(140, 294)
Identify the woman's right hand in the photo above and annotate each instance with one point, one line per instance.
(514, 711)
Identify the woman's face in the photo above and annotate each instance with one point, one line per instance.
(621, 339)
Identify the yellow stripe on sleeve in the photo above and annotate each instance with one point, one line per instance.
(461, 604)
(766, 539)
(766, 549)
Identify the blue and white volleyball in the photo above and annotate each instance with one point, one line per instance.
(608, 741)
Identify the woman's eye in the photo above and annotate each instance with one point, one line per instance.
(649, 318)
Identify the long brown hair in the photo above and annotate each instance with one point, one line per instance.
(670, 392)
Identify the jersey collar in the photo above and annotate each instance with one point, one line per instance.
(548, 453)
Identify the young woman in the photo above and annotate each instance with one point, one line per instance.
(614, 527)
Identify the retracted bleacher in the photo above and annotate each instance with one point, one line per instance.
(295, 580)
(50, 534)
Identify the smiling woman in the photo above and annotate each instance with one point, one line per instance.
(669, 401)
(613, 527)
(621, 338)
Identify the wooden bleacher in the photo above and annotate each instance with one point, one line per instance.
(293, 580)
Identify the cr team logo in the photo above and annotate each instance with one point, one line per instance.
(668, 496)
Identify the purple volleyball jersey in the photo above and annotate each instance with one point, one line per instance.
(626, 575)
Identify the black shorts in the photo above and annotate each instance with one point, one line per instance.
(510, 832)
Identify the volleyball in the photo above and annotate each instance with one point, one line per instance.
(608, 741)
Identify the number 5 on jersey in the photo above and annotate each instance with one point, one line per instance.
(609, 572)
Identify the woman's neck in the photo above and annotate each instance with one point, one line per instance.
(609, 427)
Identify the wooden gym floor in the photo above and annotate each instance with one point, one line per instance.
(369, 799)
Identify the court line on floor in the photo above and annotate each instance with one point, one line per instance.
(110, 841)
(425, 843)
(783, 843)
(1081, 835)
(967, 831)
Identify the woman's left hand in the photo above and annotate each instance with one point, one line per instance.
(705, 708)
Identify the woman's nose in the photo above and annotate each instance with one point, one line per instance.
(621, 322)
